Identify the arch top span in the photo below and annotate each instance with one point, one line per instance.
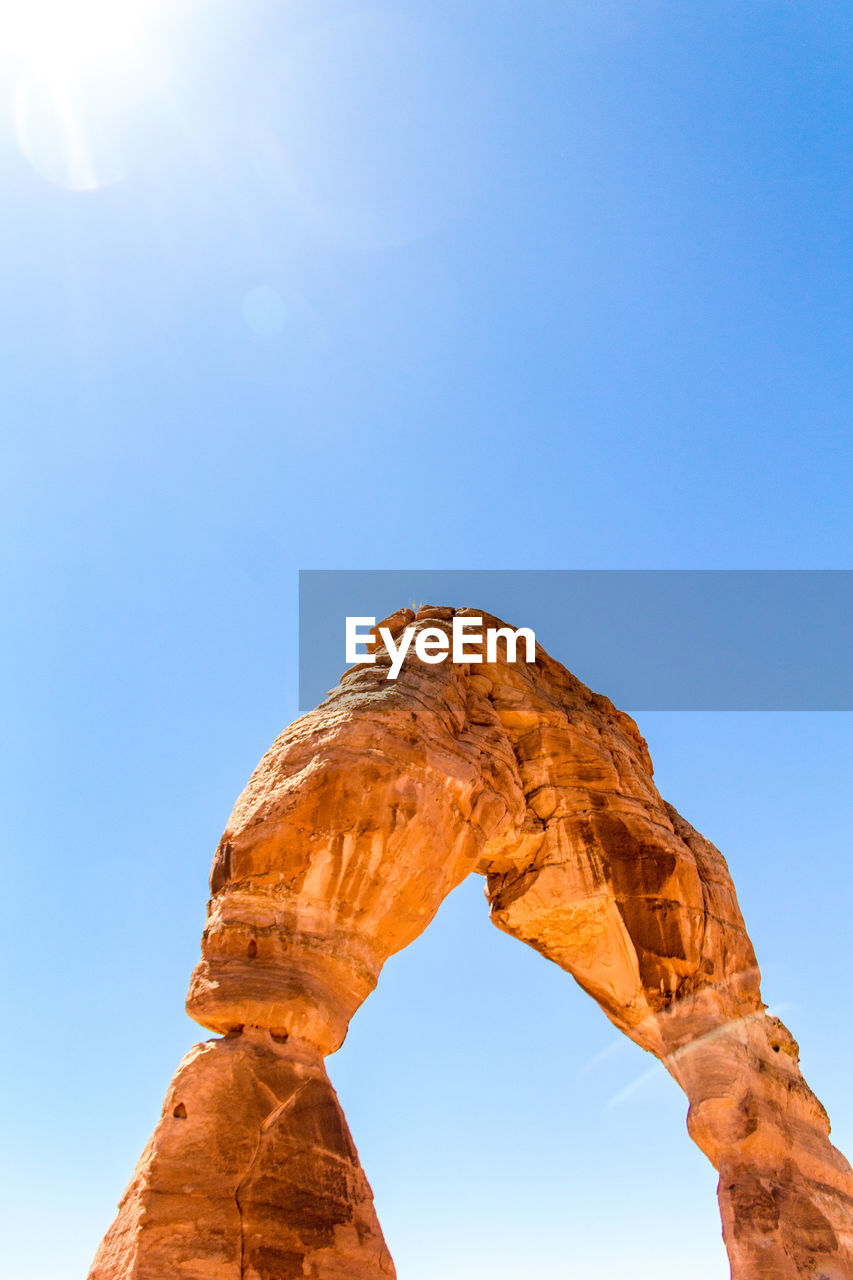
(367, 812)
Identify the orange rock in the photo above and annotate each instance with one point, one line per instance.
(250, 1172)
(356, 824)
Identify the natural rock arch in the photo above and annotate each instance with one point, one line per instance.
(354, 827)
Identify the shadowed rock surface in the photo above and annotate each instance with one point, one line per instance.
(354, 827)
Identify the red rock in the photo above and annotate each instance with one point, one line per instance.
(356, 824)
(250, 1172)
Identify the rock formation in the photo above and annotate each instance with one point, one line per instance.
(355, 825)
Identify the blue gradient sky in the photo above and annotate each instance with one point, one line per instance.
(551, 285)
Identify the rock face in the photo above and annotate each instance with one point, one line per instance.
(250, 1171)
(355, 825)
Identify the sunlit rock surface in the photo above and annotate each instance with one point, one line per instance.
(354, 827)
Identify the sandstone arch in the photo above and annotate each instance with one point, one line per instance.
(356, 824)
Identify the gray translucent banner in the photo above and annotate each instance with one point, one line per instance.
(651, 640)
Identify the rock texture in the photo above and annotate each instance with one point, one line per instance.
(250, 1171)
(358, 821)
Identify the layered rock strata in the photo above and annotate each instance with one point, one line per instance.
(355, 825)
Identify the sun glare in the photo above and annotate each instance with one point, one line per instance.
(82, 69)
(68, 35)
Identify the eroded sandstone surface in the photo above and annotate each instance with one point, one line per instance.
(356, 824)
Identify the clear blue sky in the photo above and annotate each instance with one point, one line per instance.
(468, 284)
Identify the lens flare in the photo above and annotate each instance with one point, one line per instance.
(79, 79)
(70, 34)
